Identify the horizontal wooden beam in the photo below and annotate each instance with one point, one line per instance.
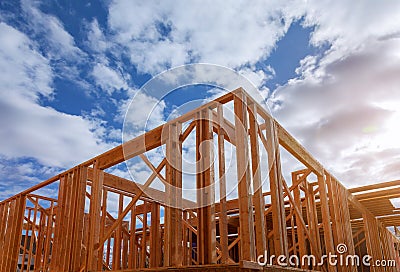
(132, 148)
(375, 186)
(381, 194)
(297, 150)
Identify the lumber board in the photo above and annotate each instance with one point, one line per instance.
(298, 151)
(247, 237)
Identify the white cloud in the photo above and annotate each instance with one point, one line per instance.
(17, 174)
(21, 66)
(164, 34)
(108, 79)
(345, 112)
(349, 24)
(62, 44)
(28, 129)
(140, 112)
(96, 38)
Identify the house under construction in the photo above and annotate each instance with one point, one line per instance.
(103, 222)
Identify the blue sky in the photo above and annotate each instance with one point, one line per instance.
(68, 70)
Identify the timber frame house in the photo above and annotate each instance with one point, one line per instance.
(312, 213)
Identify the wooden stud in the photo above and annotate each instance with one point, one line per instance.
(326, 218)
(94, 255)
(173, 215)
(155, 248)
(223, 218)
(206, 228)
(247, 240)
(277, 199)
(258, 198)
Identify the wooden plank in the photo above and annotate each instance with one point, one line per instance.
(67, 221)
(311, 209)
(58, 236)
(26, 229)
(16, 234)
(258, 198)
(132, 240)
(103, 221)
(49, 232)
(173, 215)
(40, 242)
(3, 227)
(247, 239)
(223, 218)
(382, 194)
(298, 151)
(155, 236)
(77, 241)
(7, 233)
(33, 236)
(374, 186)
(276, 188)
(118, 237)
(206, 229)
(299, 217)
(93, 254)
(132, 148)
(326, 218)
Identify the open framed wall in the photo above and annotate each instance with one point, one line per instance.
(103, 222)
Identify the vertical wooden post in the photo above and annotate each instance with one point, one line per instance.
(40, 240)
(7, 249)
(118, 237)
(155, 238)
(132, 240)
(300, 229)
(173, 213)
(94, 255)
(143, 242)
(58, 229)
(67, 221)
(103, 221)
(258, 198)
(276, 188)
(372, 238)
(312, 218)
(341, 222)
(3, 227)
(246, 221)
(77, 241)
(28, 227)
(13, 234)
(68, 237)
(49, 233)
(33, 235)
(333, 209)
(326, 218)
(125, 245)
(206, 232)
(223, 218)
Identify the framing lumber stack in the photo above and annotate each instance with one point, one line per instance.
(310, 213)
